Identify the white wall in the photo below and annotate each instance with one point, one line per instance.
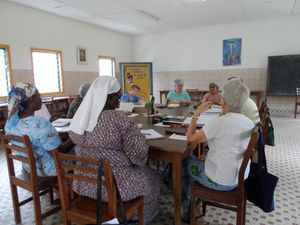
(201, 48)
(23, 28)
(195, 55)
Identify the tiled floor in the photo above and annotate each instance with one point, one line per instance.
(283, 161)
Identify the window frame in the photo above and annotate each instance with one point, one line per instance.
(107, 57)
(7, 47)
(43, 50)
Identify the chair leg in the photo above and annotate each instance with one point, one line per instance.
(244, 212)
(51, 195)
(140, 214)
(157, 165)
(37, 208)
(203, 208)
(295, 113)
(16, 203)
(239, 214)
(193, 205)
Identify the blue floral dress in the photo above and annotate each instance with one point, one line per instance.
(43, 137)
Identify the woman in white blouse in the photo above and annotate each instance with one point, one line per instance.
(227, 137)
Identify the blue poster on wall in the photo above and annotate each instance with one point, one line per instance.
(232, 50)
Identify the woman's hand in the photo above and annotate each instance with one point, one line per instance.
(202, 108)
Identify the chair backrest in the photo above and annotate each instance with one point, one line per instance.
(20, 149)
(252, 146)
(85, 170)
(262, 109)
(265, 120)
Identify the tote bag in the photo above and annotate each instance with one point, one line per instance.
(260, 183)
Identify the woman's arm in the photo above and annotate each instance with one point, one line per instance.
(192, 135)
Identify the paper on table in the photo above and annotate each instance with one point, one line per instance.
(139, 106)
(133, 115)
(64, 129)
(173, 105)
(151, 134)
(214, 110)
(125, 106)
(203, 119)
(161, 125)
(113, 221)
(178, 137)
(61, 122)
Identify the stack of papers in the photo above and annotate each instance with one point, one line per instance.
(203, 119)
(151, 134)
(161, 125)
(178, 137)
(126, 107)
(133, 115)
(214, 109)
(61, 122)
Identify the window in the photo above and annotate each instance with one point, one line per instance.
(5, 70)
(107, 66)
(47, 70)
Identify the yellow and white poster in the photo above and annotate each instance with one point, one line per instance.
(139, 74)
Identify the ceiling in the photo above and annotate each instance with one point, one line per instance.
(148, 16)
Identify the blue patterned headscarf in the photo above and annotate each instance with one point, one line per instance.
(18, 97)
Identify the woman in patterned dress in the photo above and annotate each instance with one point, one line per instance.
(23, 101)
(101, 132)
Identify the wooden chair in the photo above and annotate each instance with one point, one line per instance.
(262, 109)
(80, 209)
(233, 200)
(265, 121)
(297, 102)
(29, 181)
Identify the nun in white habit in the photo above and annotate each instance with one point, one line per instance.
(99, 131)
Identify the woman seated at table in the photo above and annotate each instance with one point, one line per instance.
(213, 95)
(133, 95)
(178, 96)
(77, 101)
(23, 101)
(101, 132)
(227, 136)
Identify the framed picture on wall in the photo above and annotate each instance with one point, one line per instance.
(81, 53)
(139, 73)
(232, 51)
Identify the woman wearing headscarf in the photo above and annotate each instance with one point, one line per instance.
(227, 137)
(23, 101)
(101, 132)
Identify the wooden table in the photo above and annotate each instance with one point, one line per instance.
(170, 151)
(201, 93)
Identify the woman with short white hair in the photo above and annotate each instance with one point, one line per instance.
(227, 137)
(83, 89)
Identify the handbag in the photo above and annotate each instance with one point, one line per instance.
(120, 202)
(260, 184)
(270, 134)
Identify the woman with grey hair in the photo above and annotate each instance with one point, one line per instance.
(83, 89)
(227, 137)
